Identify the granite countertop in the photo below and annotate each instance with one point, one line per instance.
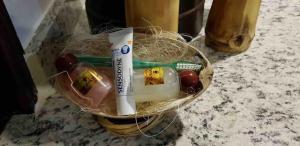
(254, 98)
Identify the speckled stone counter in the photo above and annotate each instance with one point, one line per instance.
(254, 98)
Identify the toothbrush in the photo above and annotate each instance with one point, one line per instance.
(138, 64)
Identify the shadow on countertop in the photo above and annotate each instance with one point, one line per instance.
(61, 122)
(167, 137)
(212, 55)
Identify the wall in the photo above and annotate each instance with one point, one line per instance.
(26, 16)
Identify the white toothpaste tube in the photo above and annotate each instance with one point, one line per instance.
(122, 61)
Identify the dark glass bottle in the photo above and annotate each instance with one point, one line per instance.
(105, 14)
(191, 17)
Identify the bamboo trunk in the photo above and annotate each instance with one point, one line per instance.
(231, 24)
(143, 13)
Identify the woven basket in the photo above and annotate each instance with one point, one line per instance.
(127, 125)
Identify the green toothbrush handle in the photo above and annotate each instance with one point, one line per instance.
(137, 64)
(96, 61)
(107, 62)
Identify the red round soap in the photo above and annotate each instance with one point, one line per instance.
(189, 80)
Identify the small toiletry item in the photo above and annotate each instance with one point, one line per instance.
(155, 84)
(138, 64)
(88, 83)
(189, 81)
(123, 70)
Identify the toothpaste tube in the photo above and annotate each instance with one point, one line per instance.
(122, 63)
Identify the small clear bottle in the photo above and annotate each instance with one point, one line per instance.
(155, 84)
(90, 84)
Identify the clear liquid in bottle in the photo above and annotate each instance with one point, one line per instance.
(155, 84)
